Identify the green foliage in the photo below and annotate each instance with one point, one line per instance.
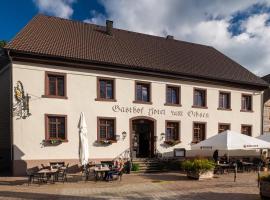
(198, 165)
(265, 178)
(135, 167)
(2, 43)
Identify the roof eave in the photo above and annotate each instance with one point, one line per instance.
(21, 55)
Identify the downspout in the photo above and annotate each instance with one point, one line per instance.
(11, 113)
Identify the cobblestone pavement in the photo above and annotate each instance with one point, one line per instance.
(148, 186)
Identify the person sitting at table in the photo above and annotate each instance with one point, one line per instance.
(224, 158)
(115, 170)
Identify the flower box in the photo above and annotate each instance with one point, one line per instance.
(106, 142)
(200, 175)
(52, 142)
(172, 142)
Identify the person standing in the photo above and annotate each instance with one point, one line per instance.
(215, 156)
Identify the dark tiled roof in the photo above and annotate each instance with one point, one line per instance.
(52, 36)
(266, 78)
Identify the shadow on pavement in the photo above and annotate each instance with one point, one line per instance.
(136, 195)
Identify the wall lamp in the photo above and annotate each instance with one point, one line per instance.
(162, 135)
(124, 134)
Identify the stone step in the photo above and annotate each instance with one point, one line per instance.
(147, 165)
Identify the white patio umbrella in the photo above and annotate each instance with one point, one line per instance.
(265, 137)
(84, 152)
(230, 140)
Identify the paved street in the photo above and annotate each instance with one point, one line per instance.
(151, 186)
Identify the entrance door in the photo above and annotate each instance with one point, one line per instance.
(143, 138)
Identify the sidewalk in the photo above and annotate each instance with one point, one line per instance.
(151, 186)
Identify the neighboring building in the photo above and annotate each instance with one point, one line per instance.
(144, 95)
(266, 110)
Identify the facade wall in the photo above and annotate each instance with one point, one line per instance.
(266, 111)
(5, 138)
(82, 91)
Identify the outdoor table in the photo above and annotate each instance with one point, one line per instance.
(221, 167)
(48, 173)
(247, 166)
(100, 172)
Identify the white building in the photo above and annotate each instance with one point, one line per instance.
(146, 96)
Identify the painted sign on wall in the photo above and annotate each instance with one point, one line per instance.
(157, 112)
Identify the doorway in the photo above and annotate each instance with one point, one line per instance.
(143, 137)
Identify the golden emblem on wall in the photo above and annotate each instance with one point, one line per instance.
(21, 107)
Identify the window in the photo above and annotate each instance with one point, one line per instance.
(172, 95)
(172, 131)
(199, 132)
(105, 89)
(56, 127)
(199, 98)
(142, 92)
(246, 130)
(223, 127)
(106, 129)
(246, 102)
(55, 85)
(224, 100)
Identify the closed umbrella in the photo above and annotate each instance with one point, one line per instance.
(84, 153)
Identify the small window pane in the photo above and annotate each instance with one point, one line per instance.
(223, 127)
(52, 85)
(247, 130)
(106, 129)
(56, 128)
(172, 95)
(142, 92)
(247, 102)
(102, 89)
(61, 86)
(172, 131)
(109, 88)
(199, 131)
(224, 100)
(200, 98)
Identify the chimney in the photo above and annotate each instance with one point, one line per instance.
(169, 37)
(109, 27)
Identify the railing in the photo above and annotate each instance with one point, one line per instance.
(125, 155)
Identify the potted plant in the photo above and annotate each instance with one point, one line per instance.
(106, 142)
(171, 142)
(199, 168)
(265, 186)
(55, 141)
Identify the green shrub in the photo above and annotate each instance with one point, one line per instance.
(198, 165)
(135, 167)
(265, 178)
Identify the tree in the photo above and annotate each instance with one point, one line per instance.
(2, 43)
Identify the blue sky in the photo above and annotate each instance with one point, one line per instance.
(15, 14)
(237, 28)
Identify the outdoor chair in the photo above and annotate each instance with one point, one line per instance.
(117, 175)
(45, 167)
(32, 175)
(62, 174)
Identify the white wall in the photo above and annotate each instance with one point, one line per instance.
(81, 93)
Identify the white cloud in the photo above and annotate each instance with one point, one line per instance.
(59, 8)
(204, 21)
